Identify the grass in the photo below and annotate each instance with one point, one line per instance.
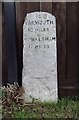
(64, 108)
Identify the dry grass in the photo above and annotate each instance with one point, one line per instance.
(11, 94)
(14, 106)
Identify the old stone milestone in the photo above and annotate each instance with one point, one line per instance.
(39, 75)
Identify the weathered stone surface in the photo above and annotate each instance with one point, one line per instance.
(39, 76)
